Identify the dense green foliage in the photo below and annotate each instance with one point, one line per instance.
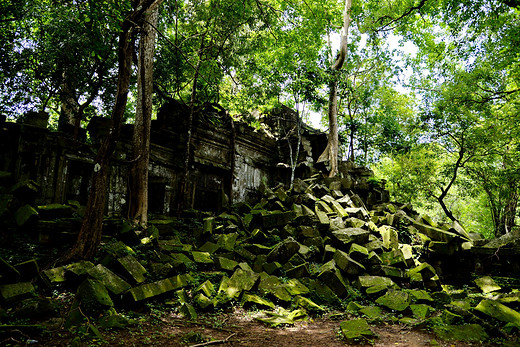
(439, 121)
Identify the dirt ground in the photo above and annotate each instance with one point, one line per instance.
(239, 328)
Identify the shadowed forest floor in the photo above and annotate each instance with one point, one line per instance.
(239, 328)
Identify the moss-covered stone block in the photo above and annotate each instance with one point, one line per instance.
(16, 291)
(389, 236)
(498, 311)
(202, 257)
(25, 215)
(351, 235)
(110, 280)
(332, 277)
(227, 264)
(180, 261)
(464, 333)
(277, 218)
(364, 282)
(358, 252)
(298, 271)
(209, 247)
(347, 264)
(421, 311)
(154, 289)
(133, 268)
(487, 284)
(356, 329)
(188, 311)
(274, 286)
(203, 301)
(251, 299)
(93, 296)
(308, 304)
(436, 234)
(284, 251)
(372, 312)
(227, 241)
(396, 300)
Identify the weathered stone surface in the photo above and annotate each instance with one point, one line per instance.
(347, 264)
(209, 247)
(110, 280)
(308, 304)
(202, 257)
(283, 317)
(272, 285)
(356, 329)
(77, 271)
(225, 263)
(150, 290)
(372, 312)
(370, 281)
(331, 276)
(498, 311)
(93, 296)
(250, 299)
(358, 252)
(322, 217)
(465, 333)
(133, 268)
(421, 311)
(16, 291)
(227, 241)
(395, 300)
(283, 251)
(435, 233)
(25, 214)
(203, 301)
(349, 235)
(389, 236)
(277, 218)
(486, 284)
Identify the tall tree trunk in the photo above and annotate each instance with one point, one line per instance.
(138, 201)
(185, 181)
(331, 151)
(89, 236)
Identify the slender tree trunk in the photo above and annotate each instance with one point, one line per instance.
(89, 236)
(185, 182)
(331, 151)
(138, 201)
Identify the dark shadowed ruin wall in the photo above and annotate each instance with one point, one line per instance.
(229, 158)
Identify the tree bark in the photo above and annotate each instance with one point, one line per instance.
(138, 201)
(89, 236)
(331, 151)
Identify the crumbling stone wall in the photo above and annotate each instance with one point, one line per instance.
(229, 158)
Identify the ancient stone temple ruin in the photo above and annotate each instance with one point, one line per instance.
(230, 158)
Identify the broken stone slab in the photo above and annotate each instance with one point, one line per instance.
(16, 291)
(449, 317)
(54, 211)
(308, 231)
(347, 264)
(356, 329)
(499, 311)
(188, 311)
(298, 271)
(110, 280)
(420, 295)
(323, 218)
(396, 300)
(508, 239)
(284, 251)
(154, 289)
(93, 296)
(308, 304)
(181, 261)
(251, 299)
(358, 252)
(436, 234)
(25, 215)
(354, 222)
(277, 218)
(209, 247)
(339, 209)
(245, 254)
(274, 286)
(202, 257)
(227, 264)
(227, 241)
(463, 333)
(487, 284)
(395, 257)
(295, 287)
(283, 317)
(133, 268)
(421, 311)
(351, 235)
(389, 236)
(272, 268)
(243, 280)
(203, 301)
(336, 223)
(120, 249)
(426, 270)
(77, 271)
(332, 277)
(372, 312)
(364, 282)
